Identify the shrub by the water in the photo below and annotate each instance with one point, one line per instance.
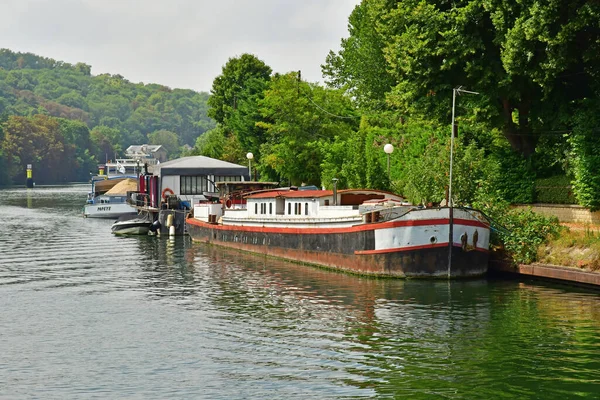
(519, 232)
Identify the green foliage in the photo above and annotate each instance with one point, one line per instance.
(427, 178)
(360, 66)
(530, 60)
(511, 176)
(168, 140)
(210, 144)
(528, 231)
(231, 85)
(300, 120)
(585, 147)
(32, 85)
(245, 116)
(519, 232)
(220, 144)
(555, 190)
(49, 144)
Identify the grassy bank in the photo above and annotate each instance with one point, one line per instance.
(576, 246)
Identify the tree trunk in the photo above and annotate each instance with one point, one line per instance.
(519, 136)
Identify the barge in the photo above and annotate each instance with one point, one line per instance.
(367, 232)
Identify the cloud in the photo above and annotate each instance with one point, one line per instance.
(178, 43)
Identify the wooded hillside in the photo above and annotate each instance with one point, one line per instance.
(52, 111)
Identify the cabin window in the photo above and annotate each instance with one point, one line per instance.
(193, 184)
(270, 208)
(228, 178)
(305, 208)
(289, 208)
(255, 208)
(279, 206)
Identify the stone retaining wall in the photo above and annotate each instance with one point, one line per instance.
(566, 213)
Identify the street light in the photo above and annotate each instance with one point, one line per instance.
(455, 91)
(389, 149)
(250, 156)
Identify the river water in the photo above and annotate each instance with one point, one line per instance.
(85, 314)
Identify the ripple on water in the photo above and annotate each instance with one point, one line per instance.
(89, 314)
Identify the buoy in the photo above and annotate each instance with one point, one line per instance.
(169, 221)
(166, 192)
(172, 230)
(29, 182)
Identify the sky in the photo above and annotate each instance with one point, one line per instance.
(177, 43)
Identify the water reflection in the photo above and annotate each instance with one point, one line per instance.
(258, 326)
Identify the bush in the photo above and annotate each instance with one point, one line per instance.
(514, 181)
(554, 190)
(585, 153)
(519, 232)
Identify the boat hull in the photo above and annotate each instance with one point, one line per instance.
(417, 247)
(108, 210)
(131, 228)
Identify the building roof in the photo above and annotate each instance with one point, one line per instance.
(200, 165)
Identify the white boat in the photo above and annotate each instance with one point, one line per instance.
(138, 225)
(108, 197)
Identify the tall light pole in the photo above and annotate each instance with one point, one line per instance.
(389, 149)
(455, 91)
(250, 156)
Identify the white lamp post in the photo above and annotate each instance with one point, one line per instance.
(389, 149)
(250, 156)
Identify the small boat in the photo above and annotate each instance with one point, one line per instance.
(368, 232)
(137, 225)
(108, 197)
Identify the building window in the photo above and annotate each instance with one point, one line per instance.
(255, 208)
(270, 208)
(289, 208)
(305, 208)
(190, 185)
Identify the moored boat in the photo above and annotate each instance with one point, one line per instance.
(108, 197)
(138, 225)
(368, 232)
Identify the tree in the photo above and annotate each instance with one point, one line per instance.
(38, 141)
(210, 143)
(166, 139)
(106, 142)
(78, 149)
(299, 119)
(243, 120)
(227, 86)
(530, 60)
(360, 65)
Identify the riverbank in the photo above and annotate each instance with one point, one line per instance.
(573, 257)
